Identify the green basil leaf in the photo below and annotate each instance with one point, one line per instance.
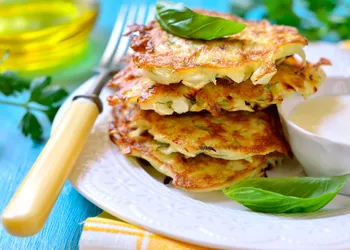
(286, 195)
(50, 96)
(37, 85)
(179, 20)
(11, 83)
(31, 126)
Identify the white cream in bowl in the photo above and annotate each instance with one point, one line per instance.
(318, 129)
(326, 116)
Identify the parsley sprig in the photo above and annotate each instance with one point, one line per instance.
(43, 98)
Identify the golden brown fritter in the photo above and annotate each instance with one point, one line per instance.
(200, 173)
(230, 135)
(291, 77)
(250, 54)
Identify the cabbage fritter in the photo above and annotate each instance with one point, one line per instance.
(230, 135)
(200, 173)
(291, 77)
(250, 54)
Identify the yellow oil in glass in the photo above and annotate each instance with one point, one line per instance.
(44, 34)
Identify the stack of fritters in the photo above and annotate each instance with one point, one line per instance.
(203, 112)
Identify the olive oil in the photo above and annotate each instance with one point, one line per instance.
(38, 35)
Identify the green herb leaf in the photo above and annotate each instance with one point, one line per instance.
(47, 99)
(37, 86)
(31, 126)
(179, 20)
(51, 96)
(317, 20)
(11, 83)
(286, 195)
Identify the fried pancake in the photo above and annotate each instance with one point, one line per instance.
(250, 54)
(200, 173)
(230, 136)
(291, 77)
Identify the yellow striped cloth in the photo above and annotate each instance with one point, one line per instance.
(345, 44)
(107, 232)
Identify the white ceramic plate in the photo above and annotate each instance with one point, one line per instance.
(120, 186)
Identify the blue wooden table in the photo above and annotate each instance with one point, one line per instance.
(18, 153)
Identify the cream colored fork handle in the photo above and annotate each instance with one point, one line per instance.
(29, 208)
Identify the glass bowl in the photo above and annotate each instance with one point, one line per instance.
(38, 35)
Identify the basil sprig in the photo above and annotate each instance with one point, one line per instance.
(179, 20)
(286, 195)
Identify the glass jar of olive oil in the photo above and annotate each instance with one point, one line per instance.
(38, 35)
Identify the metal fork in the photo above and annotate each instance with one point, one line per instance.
(32, 203)
(117, 47)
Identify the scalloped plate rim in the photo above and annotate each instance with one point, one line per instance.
(130, 217)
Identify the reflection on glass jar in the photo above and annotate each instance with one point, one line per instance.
(40, 34)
